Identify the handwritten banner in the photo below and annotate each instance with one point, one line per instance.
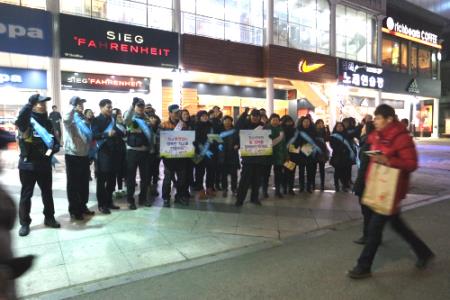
(177, 144)
(255, 143)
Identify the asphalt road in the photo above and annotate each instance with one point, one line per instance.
(313, 268)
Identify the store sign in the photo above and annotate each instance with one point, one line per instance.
(305, 67)
(101, 82)
(360, 74)
(25, 30)
(23, 78)
(396, 28)
(118, 43)
(413, 87)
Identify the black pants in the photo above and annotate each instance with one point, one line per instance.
(278, 177)
(105, 188)
(375, 233)
(189, 172)
(205, 166)
(250, 177)
(135, 160)
(174, 170)
(321, 172)
(265, 176)
(307, 166)
(231, 170)
(340, 174)
(348, 176)
(153, 168)
(367, 214)
(77, 173)
(28, 179)
(288, 179)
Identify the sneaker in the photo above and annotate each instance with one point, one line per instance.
(52, 223)
(361, 241)
(423, 262)
(24, 230)
(359, 273)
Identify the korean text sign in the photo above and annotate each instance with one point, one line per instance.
(255, 143)
(360, 74)
(177, 144)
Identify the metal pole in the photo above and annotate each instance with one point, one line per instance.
(267, 43)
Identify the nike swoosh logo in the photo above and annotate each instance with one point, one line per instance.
(303, 66)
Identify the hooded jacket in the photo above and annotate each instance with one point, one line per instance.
(397, 145)
(74, 144)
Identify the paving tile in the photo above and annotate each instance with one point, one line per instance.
(47, 255)
(174, 236)
(138, 239)
(201, 247)
(39, 236)
(297, 224)
(74, 231)
(269, 233)
(258, 221)
(42, 280)
(238, 241)
(86, 248)
(106, 266)
(152, 257)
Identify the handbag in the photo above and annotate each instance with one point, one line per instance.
(381, 189)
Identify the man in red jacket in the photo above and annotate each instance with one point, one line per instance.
(397, 151)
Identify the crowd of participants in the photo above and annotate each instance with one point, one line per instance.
(121, 144)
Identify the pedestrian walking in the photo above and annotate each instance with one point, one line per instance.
(56, 119)
(396, 150)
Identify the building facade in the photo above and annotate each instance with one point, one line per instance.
(327, 58)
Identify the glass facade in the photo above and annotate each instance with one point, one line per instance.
(41, 4)
(149, 13)
(302, 24)
(356, 34)
(235, 20)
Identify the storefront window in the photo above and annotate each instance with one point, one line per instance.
(356, 34)
(424, 62)
(391, 54)
(434, 65)
(235, 20)
(151, 13)
(41, 4)
(414, 60)
(404, 58)
(302, 24)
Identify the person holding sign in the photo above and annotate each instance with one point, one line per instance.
(37, 145)
(77, 142)
(252, 166)
(104, 129)
(138, 145)
(303, 150)
(393, 149)
(174, 168)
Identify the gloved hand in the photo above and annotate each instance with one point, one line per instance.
(33, 100)
(208, 154)
(135, 101)
(220, 147)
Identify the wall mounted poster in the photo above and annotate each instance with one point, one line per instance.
(255, 143)
(177, 144)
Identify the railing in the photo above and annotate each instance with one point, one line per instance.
(221, 29)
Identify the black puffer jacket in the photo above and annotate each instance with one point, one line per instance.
(360, 183)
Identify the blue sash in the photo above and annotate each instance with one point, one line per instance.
(144, 127)
(346, 143)
(84, 130)
(292, 140)
(310, 141)
(107, 130)
(43, 133)
(227, 133)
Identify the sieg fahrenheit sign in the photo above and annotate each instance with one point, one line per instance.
(88, 81)
(91, 39)
(360, 74)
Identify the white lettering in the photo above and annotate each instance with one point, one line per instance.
(14, 78)
(124, 37)
(415, 33)
(17, 31)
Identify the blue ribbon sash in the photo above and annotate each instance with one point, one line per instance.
(346, 143)
(43, 133)
(310, 141)
(84, 130)
(107, 130)
(144, 127)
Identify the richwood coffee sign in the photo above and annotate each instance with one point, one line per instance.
(84, 38)
(25, 31)
(101, 82)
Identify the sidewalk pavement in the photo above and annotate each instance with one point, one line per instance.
(127, 242)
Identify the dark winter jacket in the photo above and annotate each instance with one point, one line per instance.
(322, 137)
(32, 148)
(341, 154)
(299, 142)
(105, 153)
(364, 160)
(230, 155)
(279, 151)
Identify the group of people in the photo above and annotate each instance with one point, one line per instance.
(120, 145)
